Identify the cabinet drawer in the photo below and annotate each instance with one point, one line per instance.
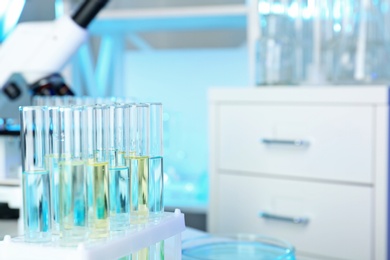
(339, 216)
(336, 141)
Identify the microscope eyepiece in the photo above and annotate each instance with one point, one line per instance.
(87, 12)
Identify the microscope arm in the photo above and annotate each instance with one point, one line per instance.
(38, 49)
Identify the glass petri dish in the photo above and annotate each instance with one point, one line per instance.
(241, 246)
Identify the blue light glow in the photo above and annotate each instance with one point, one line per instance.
(293, 10)
(10, 11)
(264, 8)
(337, 27)
(277, 9)
(337, 10)
(59, 8)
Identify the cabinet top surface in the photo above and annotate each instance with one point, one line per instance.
(376, 95)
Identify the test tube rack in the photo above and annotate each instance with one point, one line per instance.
(168, 228)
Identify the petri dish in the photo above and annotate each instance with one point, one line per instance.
(241, 246)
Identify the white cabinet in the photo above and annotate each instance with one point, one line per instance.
(308, 165)
(330, 230)
(326, 142)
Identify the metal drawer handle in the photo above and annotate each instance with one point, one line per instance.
(293, 142)
(295, 220)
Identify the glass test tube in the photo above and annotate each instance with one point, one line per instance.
(119, 176)
(35, 178)
(73, 186)
(138, 162)
(52, 156)
(156, 180)
(97, 125)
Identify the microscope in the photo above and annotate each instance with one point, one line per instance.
(30, 60)
(34, 53)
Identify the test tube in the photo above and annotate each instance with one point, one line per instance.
(119, 176)
(35, 177)
(73, 189)
(52, 156)
(97, 125)
(156, 180)
(138, 161)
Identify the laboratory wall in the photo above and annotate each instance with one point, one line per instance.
(180, 78)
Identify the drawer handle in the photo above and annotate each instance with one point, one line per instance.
(293, 142)
(295, 220)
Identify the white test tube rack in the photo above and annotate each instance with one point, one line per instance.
(169, 228)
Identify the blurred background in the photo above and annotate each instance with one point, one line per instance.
(175, 51)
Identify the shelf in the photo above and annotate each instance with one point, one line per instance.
(174, 18)
(171, 225)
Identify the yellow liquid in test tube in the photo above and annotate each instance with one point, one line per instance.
(139, 181)
(98, 195)
(72, 201)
